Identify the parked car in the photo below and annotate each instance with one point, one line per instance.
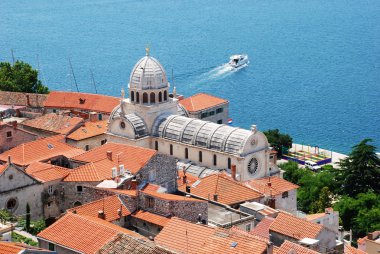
(312, 165)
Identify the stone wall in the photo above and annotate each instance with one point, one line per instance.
(90, 142)
(72, 196)
(59, 250)
(18, 137)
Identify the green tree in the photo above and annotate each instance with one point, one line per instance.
(27, 218)
(360, 171)
(20, 77)
(278, 141)
(5, 215)
(324, 201)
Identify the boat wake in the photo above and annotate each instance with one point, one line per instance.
(219, 72)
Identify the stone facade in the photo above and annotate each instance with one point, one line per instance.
(286, 201)
(74, 194)
(58, 249)
(88, 143)
(12, 136)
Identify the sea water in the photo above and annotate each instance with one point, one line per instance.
(314, 68)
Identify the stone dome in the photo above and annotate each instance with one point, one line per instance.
(148, 73)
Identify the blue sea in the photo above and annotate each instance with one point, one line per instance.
(314, 71)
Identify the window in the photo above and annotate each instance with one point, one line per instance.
(100, 117)
(80, 188)
(285, 194)
(10, 177)
(200, 156)
(152, 98)
(87, 147)
(54, 111)
(132, 96)
(219, 110)
(77, 203)
(122, 125)
(156, 145)
(9, 134)
(103, 142)
(215, 160)
(248, 227)
(149, 202)
(171, 149)
(204, 115)
(219, 122)
(50, 189)
(229, 163)
(160, 97)
(11, 204)
(152, 175)
(137, 97)
(211, 113)
(253, 164)
(49, 204)
(165, 95)
(51, 247)
(186, 153)
(145, 98)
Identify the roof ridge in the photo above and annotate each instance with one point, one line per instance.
(238, 183)
(92, 202)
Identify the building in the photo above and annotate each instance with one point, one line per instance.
(329, 219)
(17, 189)
(290, 247)
(370, 243)
(150, 118)
(20, 248)
(11, 136)
(206, 107)
(32, 101)
(279, 193)
(52, 124)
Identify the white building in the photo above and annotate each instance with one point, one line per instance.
(150, 118)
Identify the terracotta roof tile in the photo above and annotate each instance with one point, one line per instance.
(201, 101)
(229, 191)
(46, 172)
(190, 179)
(131, 193)
(278, 185)
(21, 99)
(92, 172)
(311, 217)
(151, 218)
(262, 229)
(362, 240)
(72, 100)
(186, 237)
(132, 157)
(82, 233)
(90, 129)
(109, 205)
(294, 227)
(15, 248)
(289, 247)
(3, 168)
(39, 150)
(169, 197)
(60, 124)
(352, 250)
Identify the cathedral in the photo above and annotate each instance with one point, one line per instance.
(153, 118)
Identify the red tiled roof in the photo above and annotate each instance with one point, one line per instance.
(262, 229)
(352, 250)
(151, 218)
(131, 193)
(289, 247)
(278, 185)
(59, 124)
(294, 227)
(92, 172)
(109, 205)
(190, 179)
(39, 150)
(72, 100)
(201, 101)
(3, 168)
(186, 237)
(132, 157)
(362, 240)
(46, 172)
(311, 217)
(169, 197)
(21, 99)
(82, 233)
(16, 248)
(229, 191)
(90, 129)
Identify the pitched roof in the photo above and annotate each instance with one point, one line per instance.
(190, 179)
(16, 248)
(82, 101)
(92, 172)
(3, 168)
(132, 157)
(262, 229)
(277, 185)
(46, 172)
(39, 150)
(151, 218)
(287, 247)
(294, 227)
(82, 233)
(109, 205)
(60, 124)
(90, 129)
(229, 191)
(123, 243)
(21, 99)
(348, 249)
(201, 101)
(187, 237)
(315, 216)
(171, 197)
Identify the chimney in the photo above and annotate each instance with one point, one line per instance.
(233, 171)
(119, 212)
(14, 124)
(269, 182)
(370, 236)
(93, 117)
(216, 197)
(27, 100)
(133, 184)
(199, 218)
(254, 128)
(101, 215)
(184, 179)
(109, 155)
(9, 160)
(188, 188)
(269, 248)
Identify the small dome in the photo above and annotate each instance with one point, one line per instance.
(148, 73)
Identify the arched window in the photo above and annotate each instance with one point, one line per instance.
(156, 145)
(200, 156)
(215, 160)
(132, 96)
(145, 98)
(137, 97)
(160, 97)
(229, 163)
(171, 149)
(165, 95)
(186, 153)
(77, 203)
(152, 97)
(11, 204)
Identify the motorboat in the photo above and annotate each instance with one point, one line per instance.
(238, 61)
